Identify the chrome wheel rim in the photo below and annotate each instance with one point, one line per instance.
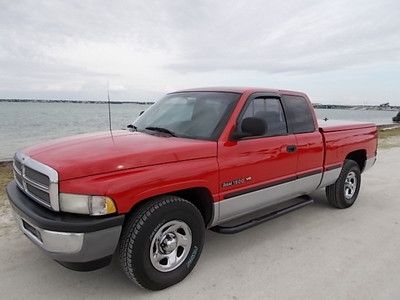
(170, 246)
(350, 185)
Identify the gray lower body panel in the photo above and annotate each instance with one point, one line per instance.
(238, 206)
(369, 163)
(330, 177)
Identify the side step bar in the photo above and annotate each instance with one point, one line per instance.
(262, 219)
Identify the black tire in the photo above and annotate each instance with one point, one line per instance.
(138, 233)
(336, 192)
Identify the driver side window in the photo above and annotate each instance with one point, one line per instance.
(270, 110)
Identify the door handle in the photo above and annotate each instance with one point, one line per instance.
(291, 148)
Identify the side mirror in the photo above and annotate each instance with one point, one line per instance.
(251, 127)
(131, 127)
(141, 113)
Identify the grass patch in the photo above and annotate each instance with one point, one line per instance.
(384, 134)
(6, 176)
(6, 220)
(389, 138)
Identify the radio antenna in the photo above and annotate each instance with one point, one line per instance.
(109, 106)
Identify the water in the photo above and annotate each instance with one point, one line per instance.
(25, 124)
(378, 117)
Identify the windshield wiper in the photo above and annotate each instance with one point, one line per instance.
(161, 129)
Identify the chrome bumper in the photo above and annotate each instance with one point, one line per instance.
(77, 242)
(51, 241)
(72, 246)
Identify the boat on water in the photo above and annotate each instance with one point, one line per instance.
(397, 118)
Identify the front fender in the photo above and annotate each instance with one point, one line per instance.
(129, 187)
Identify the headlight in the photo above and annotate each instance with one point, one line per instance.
(87, 204)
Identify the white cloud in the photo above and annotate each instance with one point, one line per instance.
(72, 48)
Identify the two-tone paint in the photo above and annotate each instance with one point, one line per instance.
(131, 167)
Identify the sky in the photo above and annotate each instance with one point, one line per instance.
(344, 52)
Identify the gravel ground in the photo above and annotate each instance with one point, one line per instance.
(314, 253)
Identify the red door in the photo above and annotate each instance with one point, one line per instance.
(259, 171)
(310, 145)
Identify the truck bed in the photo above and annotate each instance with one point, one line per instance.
(340, 125)
(343, 137)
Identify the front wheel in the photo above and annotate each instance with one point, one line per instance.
(161, 242)
(343, 193)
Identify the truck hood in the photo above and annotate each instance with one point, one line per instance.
(97, 153)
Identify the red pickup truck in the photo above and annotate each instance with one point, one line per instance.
(223, 159)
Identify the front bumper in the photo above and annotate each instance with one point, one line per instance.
(78, 242)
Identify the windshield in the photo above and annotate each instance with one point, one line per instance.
(198, 115)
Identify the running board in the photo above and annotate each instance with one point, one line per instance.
(272, 215)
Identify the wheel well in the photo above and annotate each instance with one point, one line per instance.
(359, 156)
(199, 197)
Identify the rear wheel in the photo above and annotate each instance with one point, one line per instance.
(161, 242)
(343, 193)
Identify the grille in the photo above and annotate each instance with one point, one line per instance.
(36, 180)
(37, 176)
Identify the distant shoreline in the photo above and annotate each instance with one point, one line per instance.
(384, 107)
(75, 101)
(357, 107)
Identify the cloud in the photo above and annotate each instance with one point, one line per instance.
(314, 37)
(75, 47)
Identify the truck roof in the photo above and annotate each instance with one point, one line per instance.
(241, 90)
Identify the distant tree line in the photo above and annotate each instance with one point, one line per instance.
(384, 106)
(76, 101)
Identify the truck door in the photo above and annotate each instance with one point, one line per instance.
(310, 145)
(257, 172)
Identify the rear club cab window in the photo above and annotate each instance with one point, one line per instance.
(298, 114)
(270, 110)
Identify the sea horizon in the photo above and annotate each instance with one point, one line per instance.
(384, 106)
